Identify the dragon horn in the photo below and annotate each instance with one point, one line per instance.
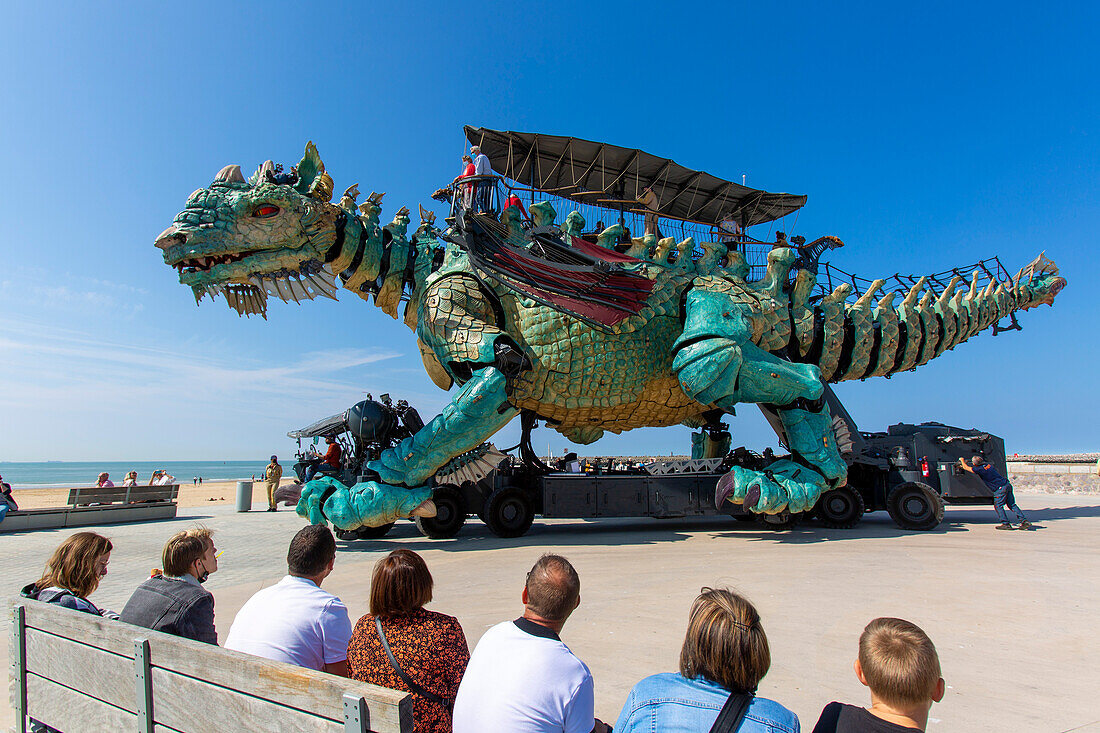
(230, 174)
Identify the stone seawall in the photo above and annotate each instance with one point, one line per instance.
(1054, 478)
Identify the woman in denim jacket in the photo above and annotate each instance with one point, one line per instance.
(725, 651)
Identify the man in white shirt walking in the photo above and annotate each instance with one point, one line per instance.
(294, 621)
(521, 677)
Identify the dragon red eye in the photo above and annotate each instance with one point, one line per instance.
(265, 210)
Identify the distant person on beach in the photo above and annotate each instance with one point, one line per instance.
(521, 676)
(174, 601)
(104, 481)
(131, 479)
(7, 501)
(272, 475)
(73, 573)
(294, 621)
(899, 664)
(724, 656)
(1001, 488)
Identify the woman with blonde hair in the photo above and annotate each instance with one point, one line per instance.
(724, 657)
(73, 573)
(403, 646)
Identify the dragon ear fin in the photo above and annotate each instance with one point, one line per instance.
(310, 169)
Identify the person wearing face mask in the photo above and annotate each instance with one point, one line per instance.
(174, 601)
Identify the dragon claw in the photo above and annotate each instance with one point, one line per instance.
(366, 504)
(785, 485)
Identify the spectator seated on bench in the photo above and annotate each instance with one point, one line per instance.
(175, 601)
(724, 657)
(7, 501)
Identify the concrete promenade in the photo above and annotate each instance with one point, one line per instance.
(1013, 614)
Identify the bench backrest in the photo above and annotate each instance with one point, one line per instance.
(77, 671)
(84, 495)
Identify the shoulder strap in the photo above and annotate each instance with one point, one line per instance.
(426, 694)
(732, 713)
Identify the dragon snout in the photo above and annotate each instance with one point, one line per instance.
(169, 238)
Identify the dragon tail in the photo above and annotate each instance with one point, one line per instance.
(860, 339)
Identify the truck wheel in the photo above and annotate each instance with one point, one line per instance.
(840, 508)
(508, 512)
(915, 506)
(450, 514)
(365, 533)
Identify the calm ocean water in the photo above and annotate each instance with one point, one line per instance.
(76, 473)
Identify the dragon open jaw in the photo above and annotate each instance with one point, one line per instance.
(203, 264)
(250, 298)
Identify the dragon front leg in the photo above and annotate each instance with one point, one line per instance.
(717, 364)
(479, 409)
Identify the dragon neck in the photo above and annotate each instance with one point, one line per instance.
(374, 262)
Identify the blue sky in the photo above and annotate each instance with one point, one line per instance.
(926, 137)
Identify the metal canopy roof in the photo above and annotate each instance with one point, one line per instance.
(329, 427)
(613, 177)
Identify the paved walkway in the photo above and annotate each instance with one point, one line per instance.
(1012, 614)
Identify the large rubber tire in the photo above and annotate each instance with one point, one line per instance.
(508, 512)
(915, 506)
(365, 533)
(840, 508)
(450, 514)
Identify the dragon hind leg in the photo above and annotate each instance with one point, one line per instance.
(479, 409)
(717, 364)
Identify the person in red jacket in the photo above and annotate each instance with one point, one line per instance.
(331, 460)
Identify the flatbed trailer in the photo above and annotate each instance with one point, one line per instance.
(910, 471)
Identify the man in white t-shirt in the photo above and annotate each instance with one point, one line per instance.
(294, 621)
(481, 168)
(521, 677)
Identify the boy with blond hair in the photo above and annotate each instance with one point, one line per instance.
(898, 662)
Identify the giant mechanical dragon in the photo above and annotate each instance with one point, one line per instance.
(689, 337)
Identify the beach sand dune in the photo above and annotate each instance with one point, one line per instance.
(210, 493)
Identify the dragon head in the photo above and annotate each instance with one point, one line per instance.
(269, 235)
(1038, 283)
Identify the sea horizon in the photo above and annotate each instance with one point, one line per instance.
(67, 474)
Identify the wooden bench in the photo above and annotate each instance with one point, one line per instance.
(89, 505)
(79, 672)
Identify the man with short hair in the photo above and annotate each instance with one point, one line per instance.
(272, 474)
(294, 621)
(174, 601)
(898, 662)
(1001, 488)
(521, 677)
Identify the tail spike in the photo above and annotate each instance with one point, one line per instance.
(864, 300)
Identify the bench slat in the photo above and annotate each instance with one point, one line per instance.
(96, 673)
(185, 703)
(216, 670)
(60, 707)
(296, 686)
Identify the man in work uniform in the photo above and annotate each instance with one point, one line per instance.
(1001, 488)
(272, 474)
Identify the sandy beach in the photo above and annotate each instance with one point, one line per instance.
(209, 493)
